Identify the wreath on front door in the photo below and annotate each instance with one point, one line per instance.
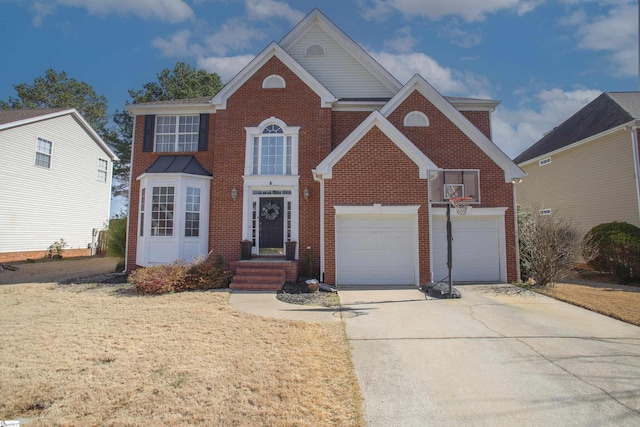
(270, 211)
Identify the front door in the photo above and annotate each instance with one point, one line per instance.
(272, 213)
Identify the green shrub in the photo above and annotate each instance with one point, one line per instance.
(618, 249)
(117, 237)
(179, 277)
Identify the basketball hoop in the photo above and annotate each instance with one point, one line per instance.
(460, 203)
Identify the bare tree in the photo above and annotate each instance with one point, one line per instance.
(549, 245)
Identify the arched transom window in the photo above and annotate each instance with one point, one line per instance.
(272, 149)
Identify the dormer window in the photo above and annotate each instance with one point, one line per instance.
(272, 149)
(314, 50)
(416, 119)
(274, 81)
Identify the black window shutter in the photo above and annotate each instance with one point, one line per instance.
(203, 135)
(149, 124)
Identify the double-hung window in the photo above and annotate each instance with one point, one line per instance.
(162, 208)
(192, 213)
(102, 170)
(177, 133)
(43, 153)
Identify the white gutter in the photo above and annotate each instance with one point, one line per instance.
(321, 181)
(515, 229)
(636, 159)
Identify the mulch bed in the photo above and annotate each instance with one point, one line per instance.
(298, 293)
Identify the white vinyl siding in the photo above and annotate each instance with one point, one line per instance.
(338, 71)
(40, 206)
(592, 183)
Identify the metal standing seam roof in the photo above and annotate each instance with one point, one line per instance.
(178, 164)
(607, 111)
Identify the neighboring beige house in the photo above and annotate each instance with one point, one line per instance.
(55, 182)
(587, 168)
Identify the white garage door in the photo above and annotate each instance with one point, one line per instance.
(476, 249)
(376, 249)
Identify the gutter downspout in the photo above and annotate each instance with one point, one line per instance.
(126, 249)
(321, 181)
(633, 128)
(515, 228)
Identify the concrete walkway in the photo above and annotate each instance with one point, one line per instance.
(499, 356)
(267, 305)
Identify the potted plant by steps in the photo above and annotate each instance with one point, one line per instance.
(245, 249)
(312, 285)
(291, 250)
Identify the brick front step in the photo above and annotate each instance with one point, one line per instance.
(262, 275)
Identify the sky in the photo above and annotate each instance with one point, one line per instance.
(543, 59)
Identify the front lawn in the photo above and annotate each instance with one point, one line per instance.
(80, 355)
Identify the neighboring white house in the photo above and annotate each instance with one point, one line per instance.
(55, 182)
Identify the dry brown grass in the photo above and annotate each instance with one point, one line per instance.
(617, 301)
(86, 355)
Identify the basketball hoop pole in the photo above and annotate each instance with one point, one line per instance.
(449, 249)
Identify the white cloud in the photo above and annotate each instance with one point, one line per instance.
(264, 9)
(40, 12)
(226, 67)
(176, 46)
(404, 42)
(458, 36)
(614, 33)
(233, 35)
(515, 130)
(445, 80)
(162, 10)
(470, 10)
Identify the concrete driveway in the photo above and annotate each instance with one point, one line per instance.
(497, 357)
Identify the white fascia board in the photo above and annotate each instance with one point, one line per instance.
(73, 112)
(36, 119)
(345, 42)
(325, 167)
(470, 104)
(219, 101)
(622, 127)
(377, 209)
(174, 175)
(358, 105)
(177, 109)
(417, 82)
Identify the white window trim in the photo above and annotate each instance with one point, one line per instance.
(422, 115)
(288, 131)
(177, 133)
(173, 247)
(544, 161)
(35, 156)
(105, 170)
(267, 82)
(315, 55)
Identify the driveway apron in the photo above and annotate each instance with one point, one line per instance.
(499, 356)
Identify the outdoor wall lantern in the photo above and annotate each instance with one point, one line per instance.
(234, 193)
(305, 193)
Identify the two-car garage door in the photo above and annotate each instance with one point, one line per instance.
(383, 249)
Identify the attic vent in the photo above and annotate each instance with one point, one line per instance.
(544, 161)
(545, 211)
(315, 50)
(416, 119)
(274, 81)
